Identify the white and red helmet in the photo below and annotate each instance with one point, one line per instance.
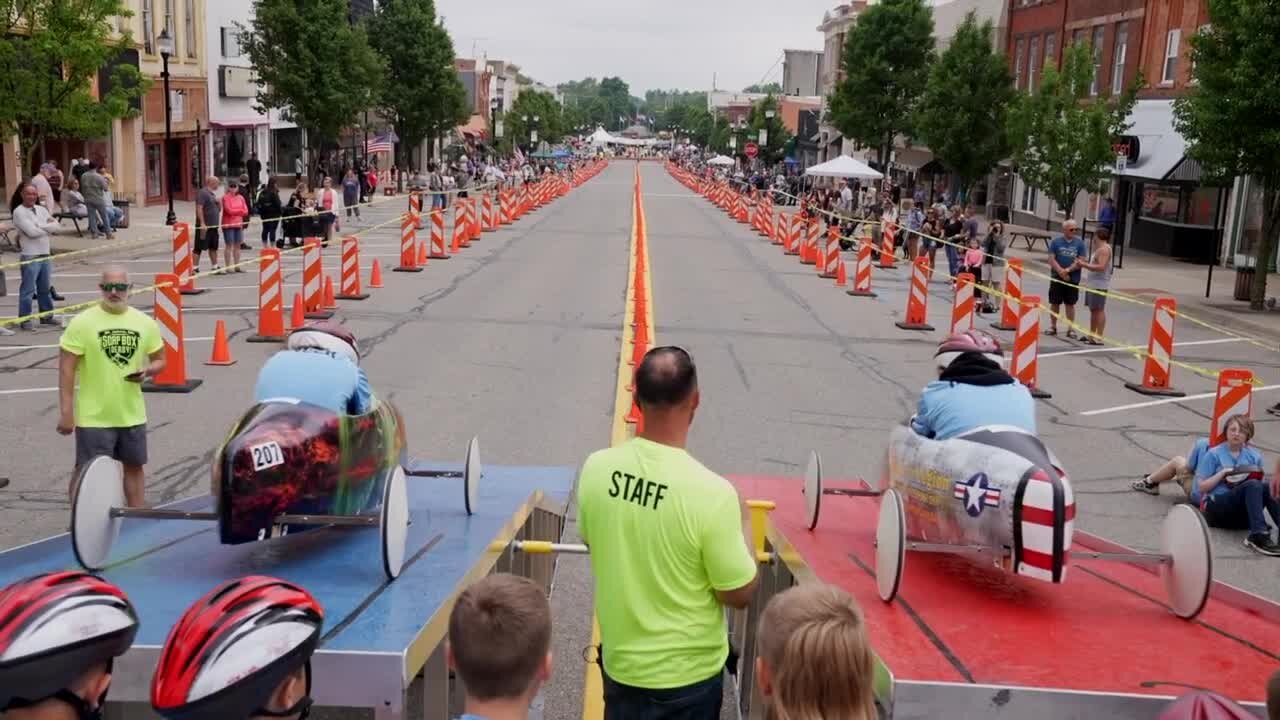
(328, 336)
(56, 626)
(233, 647)
(969, 341)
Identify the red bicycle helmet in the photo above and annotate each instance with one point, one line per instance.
(969, 341)
(55, 626)
(231, 649)
(1205, 705)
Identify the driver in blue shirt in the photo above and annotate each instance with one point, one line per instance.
(972, 390)
(321, 366)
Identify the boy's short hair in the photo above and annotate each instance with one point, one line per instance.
(500, 634)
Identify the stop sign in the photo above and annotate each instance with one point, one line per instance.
(752, 150)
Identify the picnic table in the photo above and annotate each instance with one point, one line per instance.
(1030, 237)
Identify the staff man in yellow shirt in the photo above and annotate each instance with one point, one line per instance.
(106, 353)
(668, 553)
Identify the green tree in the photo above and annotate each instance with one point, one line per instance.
(541, 105)
(616, 95)
(50, 53)
(777, 136)
(1231, 117)
(322, 78)
(1061, 137)
(403, 33)
(961, 115)
(886, 65)
(772, 88)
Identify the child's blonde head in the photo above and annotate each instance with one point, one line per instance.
(815, 659)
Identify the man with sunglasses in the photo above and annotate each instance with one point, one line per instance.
(107, 351)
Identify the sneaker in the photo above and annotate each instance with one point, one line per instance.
(6, 332)
(28, 326)
(1262, 543)
(1142, 485)
(54, 321)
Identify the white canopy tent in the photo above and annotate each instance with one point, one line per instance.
(721, 160)
(601, 137)
(844, 167)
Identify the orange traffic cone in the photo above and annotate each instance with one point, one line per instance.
(221, 352)
(329, 302)
(299, 316)
(375, 275)
(842, 275)
(422, 254)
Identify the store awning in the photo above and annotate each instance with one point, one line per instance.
(1160, 148)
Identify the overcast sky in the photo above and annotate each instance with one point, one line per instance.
(652, 44)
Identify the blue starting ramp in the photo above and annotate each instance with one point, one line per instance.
(378, 635)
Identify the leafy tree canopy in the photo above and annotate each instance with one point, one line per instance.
(1232, 118)
(1062, 138)
(772, 88)
(962, 112)
(886, 66)
(322, 78)
(51, 51)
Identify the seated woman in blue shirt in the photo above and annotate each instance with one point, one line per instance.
(1236, 505)
(972, 390)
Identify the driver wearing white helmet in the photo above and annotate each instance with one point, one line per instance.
(321, 366)
(972, 390)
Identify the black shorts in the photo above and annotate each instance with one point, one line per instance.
(207, 239)
(1062, 294)
(128, 445)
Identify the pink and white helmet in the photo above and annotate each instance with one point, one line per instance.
(969, 341)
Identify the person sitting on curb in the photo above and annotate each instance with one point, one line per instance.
(500, 679)
(1237, 504)
(60, 633)
(242, 651)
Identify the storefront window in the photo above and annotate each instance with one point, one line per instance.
(288, 149)
(231, 148)
(1202, 206)
(1160, 202)
(154, 170)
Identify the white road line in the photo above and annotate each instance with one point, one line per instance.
(1128, 348)
(24, 391)
(54, 345)
(1167, 401)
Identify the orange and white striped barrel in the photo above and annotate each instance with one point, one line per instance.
(1012, 294)
(168, 315)
(813, 232)
(474, 209)
(1157, 371)
(504, 207)
(270, 298)
(962, 310)
(818, 251)
(487, 219)
(350, 283)
(757, 210)
(800, 238)
(437, 235)
(408, 244)
(467, 217)
(183, 262)
(1025, 365)
(887, 242)
(917, 298)
(415, 209)
(1234, 397)
(313, 280)
(459, 239)
(862, 272)
(833, 255)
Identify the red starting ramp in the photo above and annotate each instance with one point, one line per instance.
(968, 639)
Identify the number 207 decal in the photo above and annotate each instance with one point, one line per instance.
(266, 455)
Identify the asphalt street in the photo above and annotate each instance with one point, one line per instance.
(517, 339)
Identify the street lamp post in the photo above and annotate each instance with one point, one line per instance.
(493, 125)
(165, 45)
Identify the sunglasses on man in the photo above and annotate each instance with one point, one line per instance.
(114, 287)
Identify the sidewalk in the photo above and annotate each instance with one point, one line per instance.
(1148, 276)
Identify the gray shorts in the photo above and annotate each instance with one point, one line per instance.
(127, 445)
(1094, 300)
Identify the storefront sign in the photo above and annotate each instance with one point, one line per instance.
(1128, 146)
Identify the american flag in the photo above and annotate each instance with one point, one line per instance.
(381, 143)
(519, 156)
